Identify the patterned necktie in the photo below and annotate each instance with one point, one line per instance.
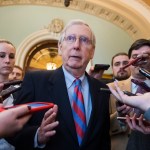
(143, 87)
(79, 111)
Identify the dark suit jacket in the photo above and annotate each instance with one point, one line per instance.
(50, 86)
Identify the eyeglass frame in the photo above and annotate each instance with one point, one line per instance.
(76, 22)
(74, 39)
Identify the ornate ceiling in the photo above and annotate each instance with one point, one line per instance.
(115, 11)
(119, 12)
(147, 2)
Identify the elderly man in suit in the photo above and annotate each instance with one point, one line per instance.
(58, 128)
(137, 140)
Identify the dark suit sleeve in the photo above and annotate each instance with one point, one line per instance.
(25, 138)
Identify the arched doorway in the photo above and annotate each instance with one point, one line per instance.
(43, 56)
(39, 50)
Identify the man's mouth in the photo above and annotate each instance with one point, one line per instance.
(123, 71)
(76, 57)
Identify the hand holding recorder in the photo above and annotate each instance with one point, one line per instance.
(120, 106)
(13, 120)
(18, 115)
(98, 70)
(139, 101)
(137, 124)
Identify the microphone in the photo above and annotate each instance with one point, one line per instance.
(5, 93)
(9, 88)
(67, 3)
(144, 72)
(132, 62)
(9, 83)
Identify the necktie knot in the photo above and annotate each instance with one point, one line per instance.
(77, 82)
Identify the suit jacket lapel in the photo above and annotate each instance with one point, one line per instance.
(61, 98)
(94, 114)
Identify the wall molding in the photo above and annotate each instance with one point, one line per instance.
(30, 41)
(117, 13)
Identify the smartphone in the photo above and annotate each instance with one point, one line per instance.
(99, 67)
(129, 93)
(124, 118)
(125, 92)
(144, 121)
(34, 106)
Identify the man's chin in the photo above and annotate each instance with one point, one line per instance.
(122, 77)
(75, 66)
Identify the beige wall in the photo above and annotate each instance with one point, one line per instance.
(19, 22)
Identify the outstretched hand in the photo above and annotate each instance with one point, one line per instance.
(97, 75)
(48, 125)
(141, 101)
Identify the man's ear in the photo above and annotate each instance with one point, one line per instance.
(92, 52)
(59, 49)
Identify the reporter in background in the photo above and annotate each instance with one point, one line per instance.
(97, 75)
(119, 133)
(16, 74)
(118, 61)
(7, 61)
(136, 140)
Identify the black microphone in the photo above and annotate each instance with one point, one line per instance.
(6, 93)
(145, 72)
(67, 3)
(9, 83)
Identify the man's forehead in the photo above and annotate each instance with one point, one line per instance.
(141, 50)
(17, 70)
(121, 58)
(85, 28)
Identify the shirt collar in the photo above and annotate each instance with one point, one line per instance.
(147, 81)
(69, 78)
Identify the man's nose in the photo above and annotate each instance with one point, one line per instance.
(77, 43)
(121, 65)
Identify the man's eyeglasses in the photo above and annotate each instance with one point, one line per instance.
(82, 39)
